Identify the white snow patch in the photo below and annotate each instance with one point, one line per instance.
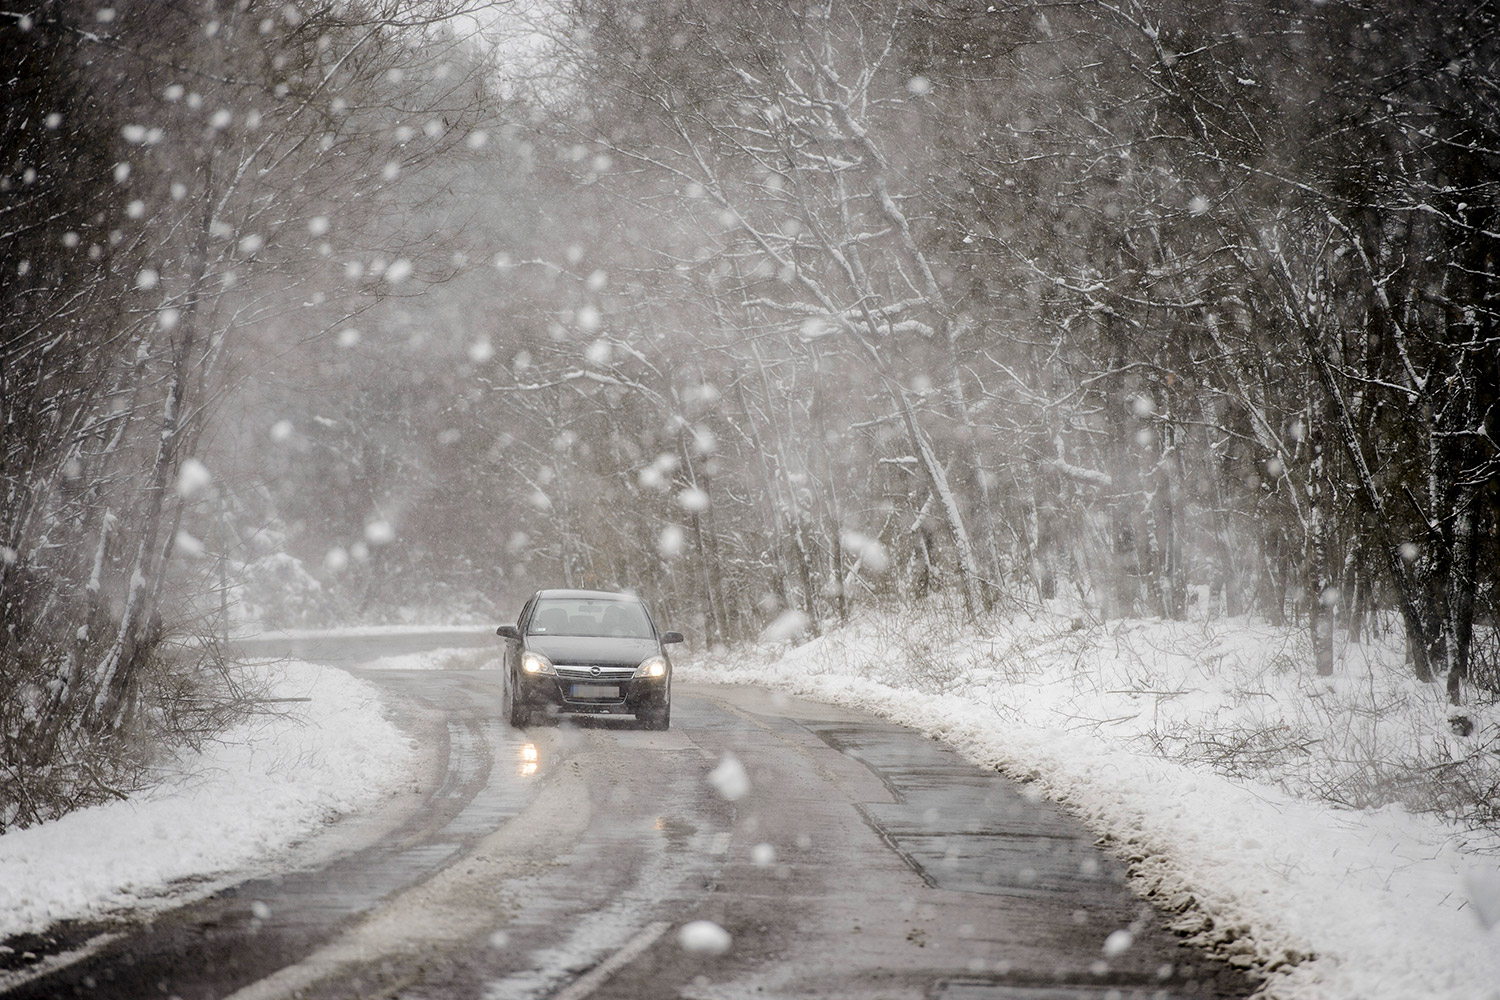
(268, 783)
(457, 658)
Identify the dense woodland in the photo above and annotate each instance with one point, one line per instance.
(364, 310)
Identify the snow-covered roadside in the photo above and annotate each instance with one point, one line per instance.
(459, 658)
(459, 632)
(1332, 903)
(267, 784)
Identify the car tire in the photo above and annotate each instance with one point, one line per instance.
(520, 712)
(659, 718)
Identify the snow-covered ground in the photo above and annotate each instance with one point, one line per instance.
(457, 658)
(1207, 752)
(264, 786)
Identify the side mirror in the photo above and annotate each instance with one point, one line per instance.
(508, 632)
(667, 637)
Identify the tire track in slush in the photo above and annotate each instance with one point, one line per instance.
(233, 937)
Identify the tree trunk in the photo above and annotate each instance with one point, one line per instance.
(1320, 603)
(937, 479)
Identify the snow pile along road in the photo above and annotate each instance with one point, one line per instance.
(267, 784)
(438, 659)
(1207, 753)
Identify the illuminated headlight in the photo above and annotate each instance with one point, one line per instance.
(536, 663)
(655, 666)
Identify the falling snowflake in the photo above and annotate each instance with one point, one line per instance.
(788, 625)
(869, 551)
(730, 778)
(481, 351)
(704, 937)
(192, 478)
(187, 544)
(398, 271)
(1118, 943)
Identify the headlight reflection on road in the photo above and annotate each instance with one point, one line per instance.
(529, 760)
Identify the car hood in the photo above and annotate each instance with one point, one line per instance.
(589, 650)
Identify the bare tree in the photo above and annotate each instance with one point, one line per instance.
(175, 174)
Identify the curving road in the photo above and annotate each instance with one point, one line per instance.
(859, 860)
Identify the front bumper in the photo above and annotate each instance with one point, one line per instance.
(610, 691)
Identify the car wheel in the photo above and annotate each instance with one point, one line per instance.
(660, 718)
(520, 713)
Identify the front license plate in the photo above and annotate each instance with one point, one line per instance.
(595, 691)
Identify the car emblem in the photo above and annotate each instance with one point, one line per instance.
(595, 671)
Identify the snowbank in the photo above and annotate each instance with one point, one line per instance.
(458, 658)
(1208, 754)
(267, 784)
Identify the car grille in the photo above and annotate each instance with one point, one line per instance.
(607, 675)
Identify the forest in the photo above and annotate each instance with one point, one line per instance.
(395, 310)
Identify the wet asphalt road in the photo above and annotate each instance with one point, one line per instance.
(864, 861)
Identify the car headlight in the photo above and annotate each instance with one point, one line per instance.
(655, 666)
(536, 663)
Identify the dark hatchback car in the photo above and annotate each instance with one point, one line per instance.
(588, 651)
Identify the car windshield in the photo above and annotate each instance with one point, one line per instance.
(581, 616)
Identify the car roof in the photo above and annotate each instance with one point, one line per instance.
(592, 595)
